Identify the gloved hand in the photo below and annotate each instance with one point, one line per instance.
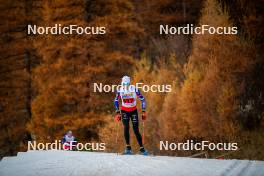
(144, 116)
(117, 116)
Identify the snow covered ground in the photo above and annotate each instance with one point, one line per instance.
(67, 163)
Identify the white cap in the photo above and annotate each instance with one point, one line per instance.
(126, 80)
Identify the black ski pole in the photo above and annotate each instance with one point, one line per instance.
(143, 132)
(116, 140)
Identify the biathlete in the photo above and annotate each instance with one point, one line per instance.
(128, 95)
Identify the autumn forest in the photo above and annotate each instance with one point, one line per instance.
(217, 80)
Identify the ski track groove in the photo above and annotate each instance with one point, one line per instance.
(242, 171)
(231, 167)
(230, 171)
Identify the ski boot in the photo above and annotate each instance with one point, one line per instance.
(142, 151)
(128, 150)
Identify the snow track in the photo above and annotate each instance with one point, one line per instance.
(67, 163)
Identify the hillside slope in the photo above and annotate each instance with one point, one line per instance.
(68, 163)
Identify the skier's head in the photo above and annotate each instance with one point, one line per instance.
(125, 81)
(69, 133)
